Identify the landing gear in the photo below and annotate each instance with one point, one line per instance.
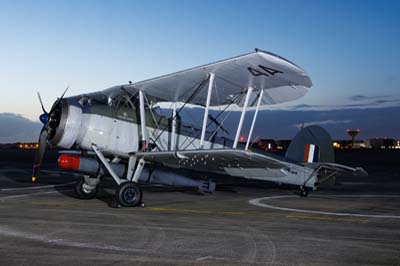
(129, 194)
(303, 191)
(85, 191)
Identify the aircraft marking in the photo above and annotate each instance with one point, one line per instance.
(263, 71)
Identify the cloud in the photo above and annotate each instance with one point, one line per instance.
(284, 124)
(358, 102)
(320, 123)
(16, 128)
(357, 98)
(360, 97)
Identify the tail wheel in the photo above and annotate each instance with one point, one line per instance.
(303, 191)
(83, 192)
(129, 194)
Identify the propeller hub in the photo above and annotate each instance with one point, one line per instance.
(44, 118)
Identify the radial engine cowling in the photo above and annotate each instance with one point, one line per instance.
(64, 124)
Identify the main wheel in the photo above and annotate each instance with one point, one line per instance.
(84, 193)
(303, 191)
(129, 194)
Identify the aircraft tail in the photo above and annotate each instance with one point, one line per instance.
(312, 144)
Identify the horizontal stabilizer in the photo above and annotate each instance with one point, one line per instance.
(358, 171)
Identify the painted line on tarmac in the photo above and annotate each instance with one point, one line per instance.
(32, 194)
(63, 242)
(160, 209)
(258, 202)
(325, 218)
(36, 187)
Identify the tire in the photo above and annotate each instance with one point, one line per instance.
(82, 193)
(303, 191)
(129, 194)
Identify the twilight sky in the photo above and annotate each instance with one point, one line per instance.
(349, 48)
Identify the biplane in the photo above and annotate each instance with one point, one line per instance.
(121, 132)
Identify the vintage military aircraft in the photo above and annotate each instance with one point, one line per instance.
(120, 132)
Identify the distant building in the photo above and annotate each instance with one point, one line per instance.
(267, 144)
(383, 143)
(283, 144)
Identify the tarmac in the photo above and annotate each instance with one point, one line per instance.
(357, 222)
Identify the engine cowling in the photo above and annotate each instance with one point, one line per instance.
(65, 124)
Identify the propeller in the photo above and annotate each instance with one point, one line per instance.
(44, 133)
(41, 103)
(39, 153)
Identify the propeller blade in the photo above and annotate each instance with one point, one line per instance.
(39, 153)
(58, 101)
(41, 103)
(66, 89)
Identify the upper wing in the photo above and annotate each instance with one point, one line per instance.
(227, 161)
(280, 79)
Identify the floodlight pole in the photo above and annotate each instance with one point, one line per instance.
(203, 130)
(246, 101)
(173, 137)
(143, 121)
(254, 119)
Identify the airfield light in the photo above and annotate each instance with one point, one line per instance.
(336, 145)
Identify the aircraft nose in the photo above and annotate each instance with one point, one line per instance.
(44, 118)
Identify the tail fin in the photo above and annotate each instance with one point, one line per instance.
(312, 144)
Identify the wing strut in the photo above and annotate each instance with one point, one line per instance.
(254, 119)
(143, 121)
(203, 130)
(173, 129)
(246, 101)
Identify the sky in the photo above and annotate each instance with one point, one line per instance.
(349, 48)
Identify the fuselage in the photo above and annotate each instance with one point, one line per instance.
(116, 129)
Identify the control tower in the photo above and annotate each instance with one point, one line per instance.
(353, 133)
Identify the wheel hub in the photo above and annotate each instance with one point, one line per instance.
(130, 195)
(87, 189)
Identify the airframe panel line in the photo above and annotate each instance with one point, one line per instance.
(257, 202)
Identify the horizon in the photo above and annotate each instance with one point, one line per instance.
(349, 49)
